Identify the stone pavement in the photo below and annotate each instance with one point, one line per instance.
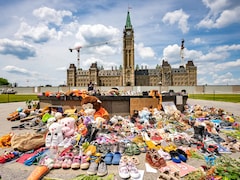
(13, 170)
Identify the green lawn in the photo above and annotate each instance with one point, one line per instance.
(235, 98)
(5, 98)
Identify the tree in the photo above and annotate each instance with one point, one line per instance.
(3, 81)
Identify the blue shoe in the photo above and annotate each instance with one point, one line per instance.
(116, 158)
(182, 155)
(175, 157)
(108, 158)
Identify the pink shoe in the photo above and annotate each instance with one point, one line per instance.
(67, 161)
(164, 154)
(76, 162)
(58, 163)
(85, 162)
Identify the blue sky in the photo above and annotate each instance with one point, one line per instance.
(35, 37)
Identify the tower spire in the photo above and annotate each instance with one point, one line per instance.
(128, 21)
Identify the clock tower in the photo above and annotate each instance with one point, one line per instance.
(128, 54)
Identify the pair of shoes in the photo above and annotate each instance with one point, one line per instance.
(9, 156)
(178, 156)
(154, 159)
(102, 169)
(76, 162)
(167, 176)
(164, 154)
(58, 162)
(210, 159)
(213, 149)
(112, 158)
(132, 149)
(84, 164)
(93, 167)
(132, 159)
(67, 162)
(168, 146)
(127, 169)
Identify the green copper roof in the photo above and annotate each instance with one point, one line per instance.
(128, 22)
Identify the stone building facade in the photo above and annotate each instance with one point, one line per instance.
(129, 75)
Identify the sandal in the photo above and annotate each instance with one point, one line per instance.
(154, 159)
(136, 150)
(134, 160)
(129, 150)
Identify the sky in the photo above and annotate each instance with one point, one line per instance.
(35, 37)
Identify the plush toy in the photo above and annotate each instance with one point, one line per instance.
(54, 136)
(68, 126)
(144, 115)
(100, 112)
(88, 113)
(82, 129)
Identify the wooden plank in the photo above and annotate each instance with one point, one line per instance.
(140, 103)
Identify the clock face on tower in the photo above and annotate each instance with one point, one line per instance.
(128, 32)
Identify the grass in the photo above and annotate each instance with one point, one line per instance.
(5, 98)
(235, 98)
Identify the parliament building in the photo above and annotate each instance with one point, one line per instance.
(129, 75)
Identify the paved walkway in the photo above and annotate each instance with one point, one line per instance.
(13, 170)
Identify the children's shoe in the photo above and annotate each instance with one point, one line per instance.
(85, 162)
(123, 170)
(48, 139)
(93, 168)
(67, 161)
(9, 157)
(133, 171)
(58, 163)
(102, 169)
(76, 162)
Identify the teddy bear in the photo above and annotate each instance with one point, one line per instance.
(101, 115)
(144, 115)
(68, 126)
(54, 136)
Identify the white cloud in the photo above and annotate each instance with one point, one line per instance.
(178, 16)
(20, 49)
(144, 52)
(38, 34)
(220, 14)
(17, 70)
(228, 65)
(50, 15)
(234, 47)
(171, 52)
(98, 33)
(197, 41)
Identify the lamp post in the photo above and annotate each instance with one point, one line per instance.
(160, 87)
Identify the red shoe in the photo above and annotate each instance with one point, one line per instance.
(9, 157)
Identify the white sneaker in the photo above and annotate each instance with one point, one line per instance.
(133, 171)
(123, 170)
(48, 140)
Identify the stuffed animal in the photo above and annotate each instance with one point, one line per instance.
(68, 126)
(88, 113)
(100, 112)
(82, 129)
(144, 115)
(54, 136)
